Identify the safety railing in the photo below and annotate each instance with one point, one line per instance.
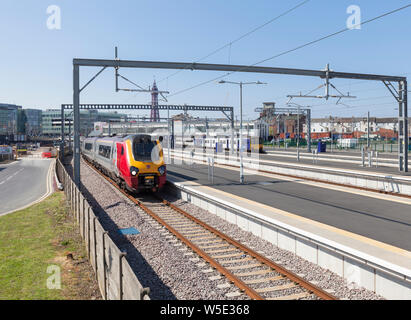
(5, 157)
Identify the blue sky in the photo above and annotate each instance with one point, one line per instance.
(36, 63)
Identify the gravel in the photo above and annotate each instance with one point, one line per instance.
(321, 277)
(160, 262)
(171, 270)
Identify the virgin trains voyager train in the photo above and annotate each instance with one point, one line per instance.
(134, 162)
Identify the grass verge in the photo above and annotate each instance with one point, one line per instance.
(32, 240)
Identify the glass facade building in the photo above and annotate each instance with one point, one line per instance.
(8, 119)
(51, 120)
(33, 122)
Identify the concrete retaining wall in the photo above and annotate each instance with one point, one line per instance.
(387, 280)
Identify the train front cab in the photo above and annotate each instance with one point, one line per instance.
(140, 166)
(255, 145)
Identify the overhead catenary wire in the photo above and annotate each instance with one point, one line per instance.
(293, 49)
(359, 106)
(350, 84)
(354, 91)
(229, 44)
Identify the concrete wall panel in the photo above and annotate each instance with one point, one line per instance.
(359, 274)
(306, 250)
(269, 234)
(330, 260)
(391, 287)
(286, 241)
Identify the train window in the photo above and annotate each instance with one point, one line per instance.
(142, 149)
(88, 146)
(104, 151)
(122, 150)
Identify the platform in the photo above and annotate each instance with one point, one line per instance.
(381, 179)
(386, 164)
(336, 228)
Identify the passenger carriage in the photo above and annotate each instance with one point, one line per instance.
(135, 162)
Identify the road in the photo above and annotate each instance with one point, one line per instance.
(22, 183)
(374, 216)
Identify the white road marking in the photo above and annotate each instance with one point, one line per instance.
(13, 175)
(49, 191)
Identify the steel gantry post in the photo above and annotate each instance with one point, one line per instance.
(62, 135)
(232, 131)
(368, 129)
(241, 135)
(308, 123)
(76, 109)
(403, 141)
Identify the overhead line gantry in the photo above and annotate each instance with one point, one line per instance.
(400, 95)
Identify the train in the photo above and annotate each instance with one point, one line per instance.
(134, 162)
(223, 142)
(218, 142)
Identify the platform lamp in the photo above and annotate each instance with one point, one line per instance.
(241, 122)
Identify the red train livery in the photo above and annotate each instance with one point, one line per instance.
(135, 162)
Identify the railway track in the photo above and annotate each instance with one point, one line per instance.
(256, 276)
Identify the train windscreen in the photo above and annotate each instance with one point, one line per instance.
(144, 149)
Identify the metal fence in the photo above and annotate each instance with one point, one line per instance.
(115, 277)
(4, 157)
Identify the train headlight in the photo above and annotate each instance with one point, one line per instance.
(133, 171)
(162, 170)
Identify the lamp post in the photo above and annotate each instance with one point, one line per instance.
(241, 122)
(298, 128)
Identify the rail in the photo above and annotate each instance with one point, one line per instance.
(200, 238)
